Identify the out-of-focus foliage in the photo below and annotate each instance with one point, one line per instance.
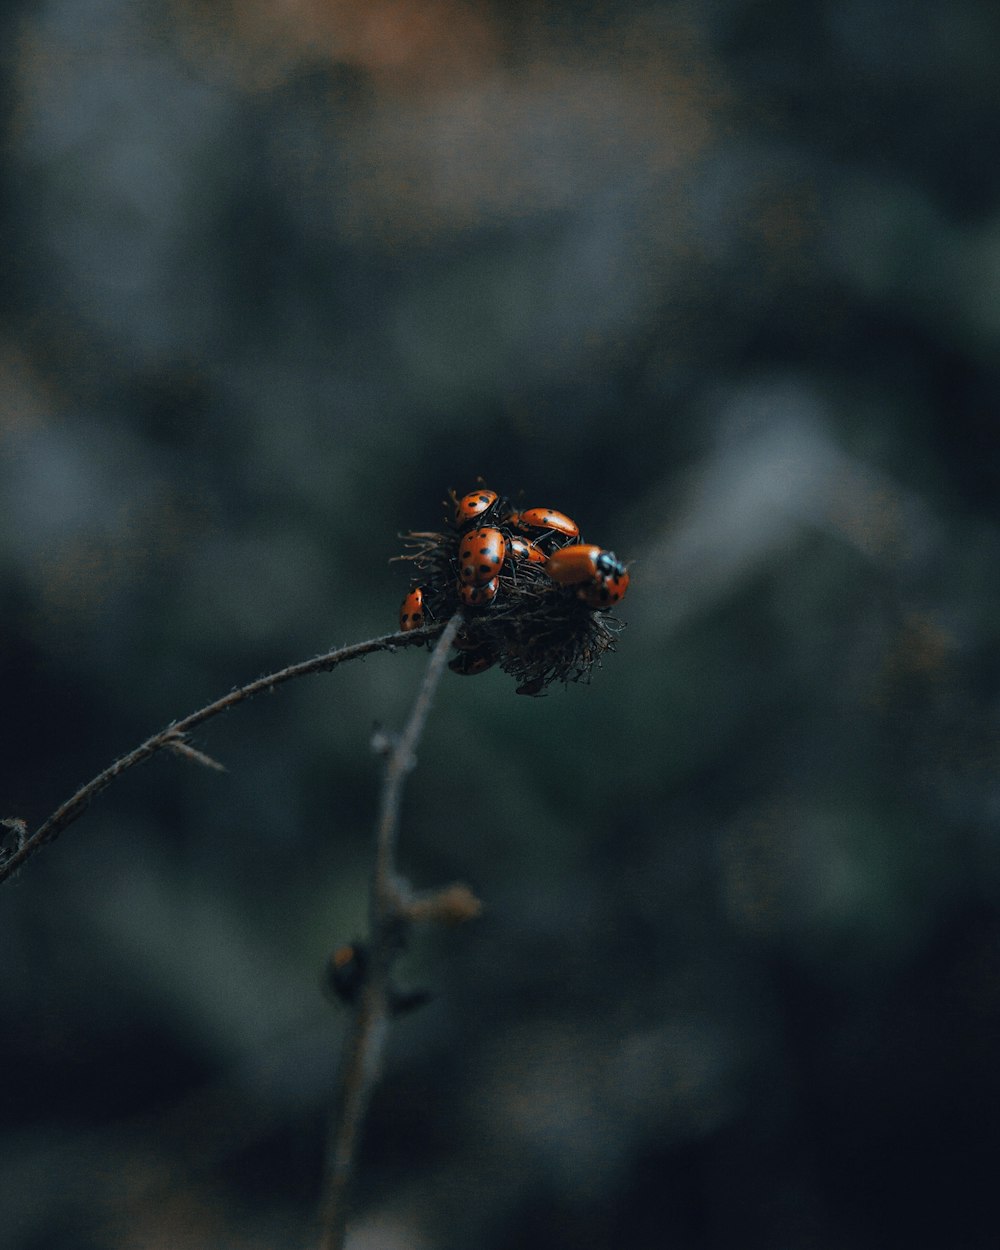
(722, 282)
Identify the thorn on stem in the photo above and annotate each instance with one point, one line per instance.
(453, 905)
(180, 746)
(382, 743)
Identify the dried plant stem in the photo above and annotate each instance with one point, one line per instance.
(173, 736)
(389, 916)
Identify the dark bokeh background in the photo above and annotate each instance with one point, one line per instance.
(721, 281)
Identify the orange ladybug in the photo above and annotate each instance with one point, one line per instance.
(480, 556)
(473, 505)
(478, 596)
(471, 663)
(545, 519)
(521, 549)
(411, 614)
(601, 577)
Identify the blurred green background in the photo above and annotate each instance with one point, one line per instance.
(722, 282)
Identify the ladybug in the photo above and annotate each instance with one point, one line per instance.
(480, 556)
(601, 576)
(545, 519)
(479, 596)
(473, 505)
(606, 591)
(521, 549)
(411, 613)
(471, 663)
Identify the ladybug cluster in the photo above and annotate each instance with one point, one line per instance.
(534, 597)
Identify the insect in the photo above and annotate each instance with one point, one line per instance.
(473, 505)
(545, 519)
(470, 663)
(522, 549)
(601, 577)
(478, 596)
(480, 556)
(606, 591)
(411, 613)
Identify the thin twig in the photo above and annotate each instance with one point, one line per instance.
(175, 732)
(387, 918)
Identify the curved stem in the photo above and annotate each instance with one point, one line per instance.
(387, 906)
(174, 733)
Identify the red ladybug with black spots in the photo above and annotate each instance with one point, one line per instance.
(411, 613)
(480, 556)
(474, 505)
(599, 575)
(523, 549)
(479, 596)
(545, 519)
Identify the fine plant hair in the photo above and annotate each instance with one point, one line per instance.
(393, 907)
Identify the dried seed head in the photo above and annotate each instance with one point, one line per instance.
(537, 629)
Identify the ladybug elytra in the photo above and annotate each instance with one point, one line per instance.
(411, 614)
(522, 549)
(601, 576)
(473, 505)
(479, 596)
(471, 663)
(480, 556)
(545, 519)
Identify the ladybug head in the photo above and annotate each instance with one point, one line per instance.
(608, 564)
